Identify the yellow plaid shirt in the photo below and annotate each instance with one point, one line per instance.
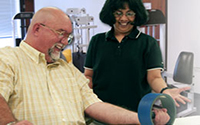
(44, 94)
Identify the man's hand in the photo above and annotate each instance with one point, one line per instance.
(161, 116)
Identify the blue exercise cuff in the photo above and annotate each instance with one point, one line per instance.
(147, 103)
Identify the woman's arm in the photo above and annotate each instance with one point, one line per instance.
(157, 83)
(88, 74)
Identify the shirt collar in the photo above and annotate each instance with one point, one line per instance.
(34, 54)
(135, 33)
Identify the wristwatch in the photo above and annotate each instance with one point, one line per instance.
(10, 123)
(163, 89)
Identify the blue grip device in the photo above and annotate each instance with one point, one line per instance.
(147, 103)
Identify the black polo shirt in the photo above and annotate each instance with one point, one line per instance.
(120, 69)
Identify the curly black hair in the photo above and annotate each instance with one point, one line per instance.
(110, 6)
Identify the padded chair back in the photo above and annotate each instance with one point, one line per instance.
(183, 71)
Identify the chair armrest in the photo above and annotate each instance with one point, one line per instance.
(167, 74)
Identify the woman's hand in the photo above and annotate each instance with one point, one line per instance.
(175, 94)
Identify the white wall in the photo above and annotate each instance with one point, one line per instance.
(183, 26)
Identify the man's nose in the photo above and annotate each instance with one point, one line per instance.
(64, 40)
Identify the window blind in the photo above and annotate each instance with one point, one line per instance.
(8, 8)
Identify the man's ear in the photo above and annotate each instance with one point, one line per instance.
(36, 28)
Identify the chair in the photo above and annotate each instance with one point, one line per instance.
(183, 76)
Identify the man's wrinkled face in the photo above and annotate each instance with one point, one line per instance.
(56, 37)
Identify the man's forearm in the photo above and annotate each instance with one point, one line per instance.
(6, 115)
(111, 114)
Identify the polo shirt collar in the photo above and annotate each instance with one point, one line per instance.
(34, 54)
(135, 33)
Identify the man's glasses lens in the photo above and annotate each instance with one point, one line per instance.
(70, 39)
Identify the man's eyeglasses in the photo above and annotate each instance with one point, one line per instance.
(120, 14)
(61, 34)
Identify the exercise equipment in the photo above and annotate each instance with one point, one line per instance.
(155, 100)
(82, 25)
(25, 18)
(183, 77)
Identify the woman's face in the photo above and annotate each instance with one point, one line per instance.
(124, 20)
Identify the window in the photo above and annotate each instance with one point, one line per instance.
(8, 8)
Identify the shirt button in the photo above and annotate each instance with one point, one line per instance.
(64, 120)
